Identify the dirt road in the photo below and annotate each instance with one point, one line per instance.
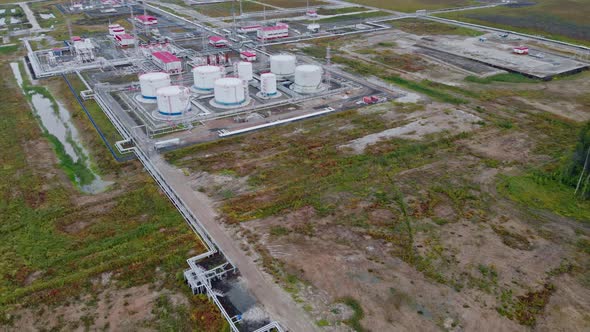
(277, 302)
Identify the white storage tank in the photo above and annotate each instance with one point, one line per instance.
(205, 77)
(307, 78)
(268, 84)
(173, 100)
(245, 70)
(151, 82)
(282, 64)
(229, 92)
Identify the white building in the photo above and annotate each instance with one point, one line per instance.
(167, 61)
(281, 30)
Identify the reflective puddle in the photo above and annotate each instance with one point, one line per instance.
(57, 125)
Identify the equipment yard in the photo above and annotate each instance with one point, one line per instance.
(331, 166)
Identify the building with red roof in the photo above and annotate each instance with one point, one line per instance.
(218, 41)
(124, 40)
(281, 30)
(146, 19)
(248, 56)
(167, 61)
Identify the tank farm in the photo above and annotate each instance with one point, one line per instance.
(172, 82)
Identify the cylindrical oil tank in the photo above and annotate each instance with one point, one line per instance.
(205, 77)
(282, 64)
(268, 84)
(307, 78)
(245, 70)
(229, 91)
(151, 82)
(173, 100)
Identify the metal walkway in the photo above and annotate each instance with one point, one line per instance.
(198, 278)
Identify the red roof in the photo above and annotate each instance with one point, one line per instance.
(522, 48)
(276, 27)
(76, 38)
(217, 39)
(124, 36)
(146, 18)
(166, 57)
(248, 54)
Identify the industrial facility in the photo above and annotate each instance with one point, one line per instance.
(184, 80)
(165, 80)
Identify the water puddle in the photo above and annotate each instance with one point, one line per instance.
(57, 123)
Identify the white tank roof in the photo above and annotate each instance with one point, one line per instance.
(307, 78)
(230, 92)
(204, 77)
(308, 68)
(245, 70)
(170, 90)
(282, 64)
(151, 82)
(228, 81)
(283, 57)
(173, 100)
(268, 84)
(154, 76)
(206, 69)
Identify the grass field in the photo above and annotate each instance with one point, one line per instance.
(359, 16)
(536, 192)
(54, 240)
(345, 10)
(413, 5)
(563, 20)
(293, 3)
(506, 78)
(423, 27)
(225, 8)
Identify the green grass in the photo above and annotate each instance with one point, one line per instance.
(111, 134)
(8, 49)
(565, 20)
(504, 78)
(129, 233)
(345, 10)
(358, 314)
(428, 88)
(525, 308)
(225, 8)
(424, 27)
(413, 5)
(545, 194)
(359, 16)
(308, 169)
(77, 171)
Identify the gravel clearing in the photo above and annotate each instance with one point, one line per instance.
(454, 121)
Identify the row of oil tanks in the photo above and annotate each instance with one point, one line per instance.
(307, 78)
(172, 100)
(229, 91)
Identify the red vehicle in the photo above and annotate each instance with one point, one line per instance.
(369, 100)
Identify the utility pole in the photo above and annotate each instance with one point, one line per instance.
(134, 32)
(328, 65)
(233, 13)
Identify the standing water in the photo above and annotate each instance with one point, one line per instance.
(57, 123)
